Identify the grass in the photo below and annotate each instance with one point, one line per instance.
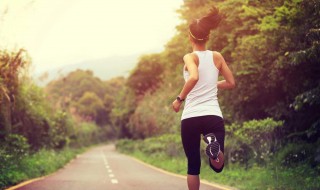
(41, 163)
(166, 153)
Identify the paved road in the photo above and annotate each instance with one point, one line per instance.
(102, 168)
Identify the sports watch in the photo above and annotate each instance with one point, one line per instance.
(179, 99)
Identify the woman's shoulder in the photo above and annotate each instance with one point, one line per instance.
(217, 59)
(217, 56)
(216, 53)
(192, 56)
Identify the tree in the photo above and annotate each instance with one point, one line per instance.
(146, 76)
(89, 105)
(11, 69)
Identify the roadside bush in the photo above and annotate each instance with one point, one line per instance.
(14, 148)
(85, 134)
(168, 145)
(39, 163)
(252, 141)
(61, 129)
(157, 151)
(298, 153)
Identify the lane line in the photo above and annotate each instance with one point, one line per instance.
(114, 181)
(111, 175)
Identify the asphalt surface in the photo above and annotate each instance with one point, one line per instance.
(102, 168)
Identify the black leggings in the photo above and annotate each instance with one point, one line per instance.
(191, 130)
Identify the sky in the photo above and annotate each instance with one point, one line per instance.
(60, 32)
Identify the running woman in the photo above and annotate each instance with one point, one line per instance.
(202, 114)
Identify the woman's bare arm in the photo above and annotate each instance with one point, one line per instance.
(193, 75)
(192, 67)
(229, 81)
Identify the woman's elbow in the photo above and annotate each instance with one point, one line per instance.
(194, 78)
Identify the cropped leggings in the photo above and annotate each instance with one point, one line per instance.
(191, 131)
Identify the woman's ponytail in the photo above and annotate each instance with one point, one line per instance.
(200, 28)
(211, 20)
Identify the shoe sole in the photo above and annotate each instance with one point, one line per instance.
(213, 150)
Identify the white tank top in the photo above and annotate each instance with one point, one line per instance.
(202, 99)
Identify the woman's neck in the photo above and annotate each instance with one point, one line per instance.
(197, 47)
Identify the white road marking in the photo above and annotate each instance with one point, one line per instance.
(111, 175)
(114, 181)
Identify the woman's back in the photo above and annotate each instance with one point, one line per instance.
(202, 99)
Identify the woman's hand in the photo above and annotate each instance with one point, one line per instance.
(176, 105)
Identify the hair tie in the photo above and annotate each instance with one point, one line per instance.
(199, 39)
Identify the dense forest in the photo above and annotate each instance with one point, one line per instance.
(273, 50)
(272, 116)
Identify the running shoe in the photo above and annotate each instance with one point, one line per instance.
(210, 137)
(213, 147)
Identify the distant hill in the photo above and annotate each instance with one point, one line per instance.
(105, 68)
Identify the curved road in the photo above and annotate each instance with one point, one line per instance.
(102, 168)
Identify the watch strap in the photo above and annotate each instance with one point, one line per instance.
(180, 99)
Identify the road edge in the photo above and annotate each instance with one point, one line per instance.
(28, 181)
(212, 184)
(23, 183)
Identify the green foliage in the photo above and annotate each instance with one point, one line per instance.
(11, 68)
(85, 134)
(84, 96)
(250, 131)
(74, 85)
(309, 98)
(167, 153)
(26, 112)
(254, 141)
(153, 115)
(35, 165)
(61, 129)
(124, 106)
(296, 153)
(89, 105)
(146, 76)
(169, 144)
(32, 114)
(281, 16)
(272, 48)
(13, 148)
